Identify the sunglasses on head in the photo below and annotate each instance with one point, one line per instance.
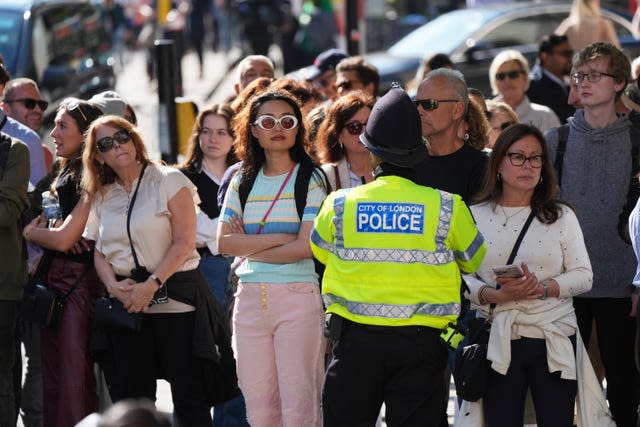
(431, 104)
(511, 74)
(355, 127)
(286, 122)
(74, 104)
(30, 103)
(108, 142)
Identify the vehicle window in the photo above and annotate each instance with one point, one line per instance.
(522, 31)
(436, 36)
(10, 29)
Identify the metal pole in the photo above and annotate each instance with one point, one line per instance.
(353, 32)
(166, 77)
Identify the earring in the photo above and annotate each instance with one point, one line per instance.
(540, 182)
(499, 176)
(466, 136)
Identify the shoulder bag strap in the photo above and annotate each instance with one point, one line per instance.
(129, 209)
(516, 246)
(337, 174)
(273, 202)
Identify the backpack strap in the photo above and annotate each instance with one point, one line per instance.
(563, 136)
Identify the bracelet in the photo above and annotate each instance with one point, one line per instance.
(545, 291)
(157, 280)
(481, 299)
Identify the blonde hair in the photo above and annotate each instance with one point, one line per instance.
(97, 175)
(502, 58)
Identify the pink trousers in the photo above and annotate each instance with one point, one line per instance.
(279, 348)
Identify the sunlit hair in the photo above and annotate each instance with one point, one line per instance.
(328, 147)
(544, 202)
(193, 161)
(257, 86)
(617, 61)
(454, 81)
(503, 57)
(477, 126)
(495, 106)
(367, 72)
(248, 147)
(584, 8)
(97, 175)
(303, 91)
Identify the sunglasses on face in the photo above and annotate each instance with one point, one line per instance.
(347, 85)
(511, 74)
(502, 126)
(30, 103)
(431, 104)
(286, 122)
(108, 142)
(355, 127)
(592, 77)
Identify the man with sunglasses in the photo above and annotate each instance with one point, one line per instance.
(549, 77)
(595, 168)
(354, 73)
(22, 102)
(452, 165)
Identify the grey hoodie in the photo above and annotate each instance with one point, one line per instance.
(595, 181)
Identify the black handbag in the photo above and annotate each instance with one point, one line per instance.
(471, 364)
(41, 304)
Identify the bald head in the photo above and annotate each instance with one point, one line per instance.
(252, 67)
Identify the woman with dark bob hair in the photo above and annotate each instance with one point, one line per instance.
(278, 315)
(344, 159)
(534, 331)
(181, 323)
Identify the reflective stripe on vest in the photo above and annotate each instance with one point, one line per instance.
(442, 255)
(393, 311)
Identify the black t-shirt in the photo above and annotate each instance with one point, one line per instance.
(461, 172)
(208, 192)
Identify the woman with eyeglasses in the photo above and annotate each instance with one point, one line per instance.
(509, 77)
(156, 206)
(502, 116)
(266, 222)
(69, 385)
(345, 161)
(534, 331)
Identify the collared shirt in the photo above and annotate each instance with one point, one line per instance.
(17, 130)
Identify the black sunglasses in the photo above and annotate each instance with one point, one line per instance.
(511, 74)
(355, 127)
(30, 103)
(108, 142)
(431, 104)
(347, 85)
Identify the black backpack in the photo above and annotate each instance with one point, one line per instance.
(633, 193)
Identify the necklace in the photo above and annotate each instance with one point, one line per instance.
(508, 217)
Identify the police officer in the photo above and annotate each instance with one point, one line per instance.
(393, 252)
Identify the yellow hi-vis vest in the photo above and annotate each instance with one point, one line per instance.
(393, 252)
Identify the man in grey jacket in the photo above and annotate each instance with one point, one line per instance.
(595, 175)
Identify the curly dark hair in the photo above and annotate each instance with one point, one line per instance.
(544, 203)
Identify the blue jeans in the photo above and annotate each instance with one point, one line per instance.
(216, 271)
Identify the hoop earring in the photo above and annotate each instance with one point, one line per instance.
(499, 177)
(541, 179)
(466, 136)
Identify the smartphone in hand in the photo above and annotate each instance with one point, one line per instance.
(510, 270)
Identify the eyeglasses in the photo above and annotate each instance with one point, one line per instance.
(518, 159)
(566, 53)
(511, 74)
(431, 104)
(30, 103)
(286, 122)
(108, 142)
(502, 126)
(355, 127)
(347, 84)
(592, 77)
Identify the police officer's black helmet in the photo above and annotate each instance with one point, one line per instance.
(393, 130)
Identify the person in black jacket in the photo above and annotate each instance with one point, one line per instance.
(547, 78)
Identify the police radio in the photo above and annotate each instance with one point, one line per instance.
(452, 335)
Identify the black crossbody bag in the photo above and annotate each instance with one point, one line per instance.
(471, 363)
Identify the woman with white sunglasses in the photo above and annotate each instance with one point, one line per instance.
(278, 315)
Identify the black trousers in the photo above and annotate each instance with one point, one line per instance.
(400, 366)
(162, 349)
(553, 397)
(616, 339)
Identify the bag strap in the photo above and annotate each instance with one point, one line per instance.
(273, 202)
(337, 174)
(563, 136)
(129, 209)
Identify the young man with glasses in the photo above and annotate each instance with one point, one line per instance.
(549, 77)
(452, 165)
(595, 174)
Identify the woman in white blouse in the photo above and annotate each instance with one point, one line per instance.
(533, 335)
(345, 161)
(120, 179)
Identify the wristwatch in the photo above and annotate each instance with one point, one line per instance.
(545, 290)
(160, 284)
